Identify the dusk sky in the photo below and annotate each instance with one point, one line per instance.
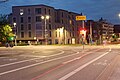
(93, 9)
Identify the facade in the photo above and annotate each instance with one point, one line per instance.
(60, 28)
(101, 30)
(117, 30)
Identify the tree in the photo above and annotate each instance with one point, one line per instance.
(5, 28)
(3, 19)
(5, 32)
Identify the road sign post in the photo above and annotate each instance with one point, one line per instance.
(83, 32)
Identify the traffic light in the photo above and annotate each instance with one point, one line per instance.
(83, 31)
(11, 38)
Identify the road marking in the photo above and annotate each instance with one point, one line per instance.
(10, 71)
(29, 60)
(47, 72)
(33, 56)
(81, 67)
(78, 57)
(35, 64)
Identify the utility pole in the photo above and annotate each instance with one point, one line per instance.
(90, 32)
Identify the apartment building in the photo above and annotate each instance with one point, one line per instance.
(60, 28)
(101, 30)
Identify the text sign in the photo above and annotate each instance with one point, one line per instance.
(80, 18)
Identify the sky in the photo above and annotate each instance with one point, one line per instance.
(93, 9)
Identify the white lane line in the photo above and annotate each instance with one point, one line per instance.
(81, 67)
(77, 57)
(33, 56)
(10, 71)
(18, 69)
(29, 60)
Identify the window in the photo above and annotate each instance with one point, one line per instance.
(14, 19)
(45, 10)
(49, 11)
(22, 34)
(29, 26)
(56, 33)
(62, 14)
(22, 27)
(49, 20)
(62, 21)
(21, 19)
(50, 34)
(59, 34)
(50, 27)
(38, 27)
(29, 19)
(38, 33)
(29, 12)
(56, 41)
(38, 18)
(29, 34)
(37, 10)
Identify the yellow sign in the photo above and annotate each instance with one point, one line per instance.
(79, 18)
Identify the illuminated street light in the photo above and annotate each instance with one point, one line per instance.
(46, 17)
(15, 33)
(119, 15)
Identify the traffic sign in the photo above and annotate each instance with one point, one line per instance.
(80, 18)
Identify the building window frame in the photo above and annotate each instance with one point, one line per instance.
(29, 27)
(29, 34)
(38, 19)
(22, 34)
(38, 10)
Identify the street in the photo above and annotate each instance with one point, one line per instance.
(60, 63)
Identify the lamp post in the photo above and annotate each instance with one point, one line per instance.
(90, 32)
(46, 17)
(15, 33)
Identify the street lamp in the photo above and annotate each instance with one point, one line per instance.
(15, 33)
(46, 17)
(119, 15)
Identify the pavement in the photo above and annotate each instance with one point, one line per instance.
(113, 75)
(11, 51)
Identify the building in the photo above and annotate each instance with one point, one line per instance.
(60, 28)
(101, 30)
(117, 32)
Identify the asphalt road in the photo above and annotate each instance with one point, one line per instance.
(60, 63)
